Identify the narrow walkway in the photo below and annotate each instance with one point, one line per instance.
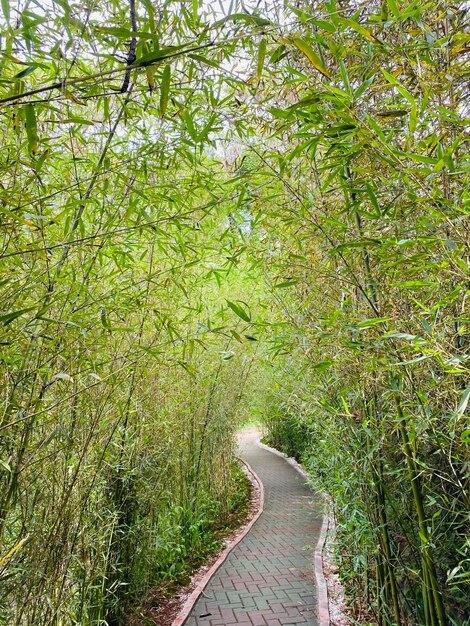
(268, 578)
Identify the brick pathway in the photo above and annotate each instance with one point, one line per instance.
(268, 578)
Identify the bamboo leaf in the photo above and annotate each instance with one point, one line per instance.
(394, 8)
(157, 55)
(359, 28)
(406, 94)
(203, 59)
(411, 284)
(6, 10)
(369, 323)
(25, 72)
(207, 128)
(393, 113)
(328, 26)
(314, 59)
(150, 73)
(6, 466)
(239, 311)
(4, 559)
(286, 283)
(463, 403)
(63, 376)
(31, 128)
(323, 365)
(14, 216)
(278, 53)
(188, 120)
(373, 199)
(165, 89)
(104, 318)
(391, 79)
(236, 336)
(404, 336)
(261, 57)
(13, 315)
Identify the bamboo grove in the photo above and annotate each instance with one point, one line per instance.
(213, 209)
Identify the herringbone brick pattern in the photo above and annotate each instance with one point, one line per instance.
(268, 578)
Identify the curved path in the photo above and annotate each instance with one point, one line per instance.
(268, 578)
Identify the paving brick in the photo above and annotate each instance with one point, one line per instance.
(267, 579)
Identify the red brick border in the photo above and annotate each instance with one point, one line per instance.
(322, 587)
(202, 584)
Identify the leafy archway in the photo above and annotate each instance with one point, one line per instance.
(206, 208)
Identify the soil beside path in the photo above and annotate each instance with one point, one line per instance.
(268, 578)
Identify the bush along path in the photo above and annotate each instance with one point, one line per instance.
(268, 579)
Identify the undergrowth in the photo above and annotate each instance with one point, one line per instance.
(199, 543)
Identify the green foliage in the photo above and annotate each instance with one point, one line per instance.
(199, 211)
(374, 362)
(123, 373)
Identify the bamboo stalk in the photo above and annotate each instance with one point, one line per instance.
(435, 601)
